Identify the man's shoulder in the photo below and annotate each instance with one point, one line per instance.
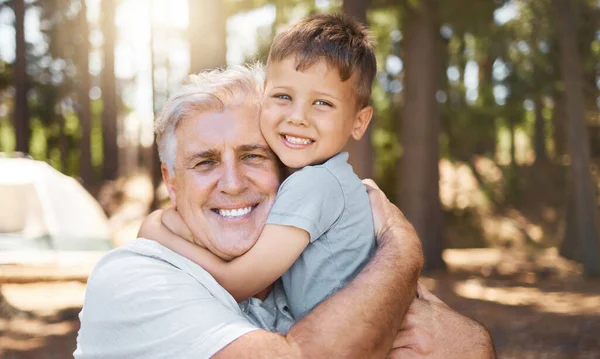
(140, 294)
(136, 255)
(147, 266)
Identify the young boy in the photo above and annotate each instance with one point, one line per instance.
(319, 233)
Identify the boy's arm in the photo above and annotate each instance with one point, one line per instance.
(275, 251)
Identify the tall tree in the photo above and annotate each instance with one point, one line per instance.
(207, 51)
(420, 130)
(361, 152)
(21, 110)
(582, 187)
(539, 139)
(156, 174)
(109, 92)
(85, 112)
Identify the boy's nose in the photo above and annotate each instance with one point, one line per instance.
(297, 117)
(297, 121)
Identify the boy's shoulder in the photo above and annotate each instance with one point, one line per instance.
(336, 167)
(334, 177)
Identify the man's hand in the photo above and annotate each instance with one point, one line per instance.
(391, 225)
(431, 330)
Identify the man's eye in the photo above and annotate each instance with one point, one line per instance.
(323, 103)
(252, 156)
(204, 164)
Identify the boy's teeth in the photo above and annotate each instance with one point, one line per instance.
(235, 212)
(297, 140)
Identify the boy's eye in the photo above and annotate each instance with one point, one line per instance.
(283, 97)
(323, 103)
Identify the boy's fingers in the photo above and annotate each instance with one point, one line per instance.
(425, 294)
(370, 183)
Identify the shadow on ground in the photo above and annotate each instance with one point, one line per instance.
(39, 337)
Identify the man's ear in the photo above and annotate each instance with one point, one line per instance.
(361, 122)
(169, 182)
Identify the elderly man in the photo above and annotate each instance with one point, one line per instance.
(145, 301)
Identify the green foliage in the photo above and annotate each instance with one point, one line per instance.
(7, 136)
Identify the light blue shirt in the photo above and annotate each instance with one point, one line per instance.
(330, 203)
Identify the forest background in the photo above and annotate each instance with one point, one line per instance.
(486, 133)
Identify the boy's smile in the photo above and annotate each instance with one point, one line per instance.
(295, 141)
(307, 116)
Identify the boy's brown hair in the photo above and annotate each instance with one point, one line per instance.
(341, 41)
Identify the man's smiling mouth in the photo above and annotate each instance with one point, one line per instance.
(234, 213)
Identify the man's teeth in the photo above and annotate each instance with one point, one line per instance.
(297, 140)
(232, 213)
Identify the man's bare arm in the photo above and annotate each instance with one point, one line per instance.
(361, 320)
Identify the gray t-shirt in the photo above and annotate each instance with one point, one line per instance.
(146, 301)
(329, 202)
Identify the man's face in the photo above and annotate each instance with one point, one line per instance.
(225, 179)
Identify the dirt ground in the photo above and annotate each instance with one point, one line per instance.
(534, 306)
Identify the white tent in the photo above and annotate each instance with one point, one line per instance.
(41, 208)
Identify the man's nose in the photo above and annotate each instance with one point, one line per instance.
(233, 180)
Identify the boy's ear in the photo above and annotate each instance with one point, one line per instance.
(361, 122)
(169, 182)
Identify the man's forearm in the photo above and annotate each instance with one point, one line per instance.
(362, 319)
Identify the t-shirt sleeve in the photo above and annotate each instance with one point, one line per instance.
(142, 307)
(310, 199)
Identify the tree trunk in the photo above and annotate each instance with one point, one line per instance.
(419, 165)
(513, 140)
(63, 143)
(559, 125)
(361, 152)
(541, 155)
(207, 34)
(570, 247)
(583, 191)
(21, 110)
(109, 92)
(156, 174)
(486, 145)
(85, 112)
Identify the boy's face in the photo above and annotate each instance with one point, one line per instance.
(307, 116)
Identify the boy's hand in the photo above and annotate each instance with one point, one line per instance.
(151, 227)
(173, 221)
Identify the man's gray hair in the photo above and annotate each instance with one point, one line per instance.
(209, 91)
